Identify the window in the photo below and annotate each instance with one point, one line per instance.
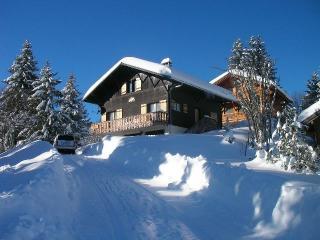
(131, 86)
(110, 116)
(153, 107)
(114, 115)
(176, 106)
(160, 106)
(185, 108)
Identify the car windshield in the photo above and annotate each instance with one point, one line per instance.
(66, 137)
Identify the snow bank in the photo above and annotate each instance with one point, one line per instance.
(23, 152)
(180, 175)
(34, 202)
(162, 187)
(104, 149)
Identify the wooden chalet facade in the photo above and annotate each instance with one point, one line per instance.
(231, 113)
(141, 97)
(310, 117)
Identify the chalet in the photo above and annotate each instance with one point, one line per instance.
(231, 112)
(136, 97)
(310, 117)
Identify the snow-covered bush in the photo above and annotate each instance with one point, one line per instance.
(228, 135)
(289, 148)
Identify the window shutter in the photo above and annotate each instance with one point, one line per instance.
(138, 84)
(163, 105)
(143, 108)
(119, 113)
(124, 89)
(104, 117)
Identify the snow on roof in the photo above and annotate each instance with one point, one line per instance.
(309, 113)
(223, 75)
(165, 71)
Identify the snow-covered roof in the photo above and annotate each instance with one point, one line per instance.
(219, 78)
(310, 113)
(164, 71)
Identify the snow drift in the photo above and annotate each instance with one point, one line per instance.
(161, 187)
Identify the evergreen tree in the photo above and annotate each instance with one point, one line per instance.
(255, 82)
(73, 111)
(47, 121)
(237, 54)
(297, 101)
(313, 91)
(13, 100)
(289, 146)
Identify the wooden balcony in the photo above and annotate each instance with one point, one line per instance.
(129, 123)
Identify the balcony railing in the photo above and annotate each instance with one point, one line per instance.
(129, 123)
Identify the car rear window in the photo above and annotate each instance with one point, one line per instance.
(66, 137)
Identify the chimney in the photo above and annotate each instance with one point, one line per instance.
(166, 62)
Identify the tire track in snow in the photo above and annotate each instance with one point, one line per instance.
(126, 209)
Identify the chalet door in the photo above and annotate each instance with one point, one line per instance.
(196, 115)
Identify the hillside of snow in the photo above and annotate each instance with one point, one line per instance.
(154, 187)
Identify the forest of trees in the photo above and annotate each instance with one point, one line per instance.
(33, 108)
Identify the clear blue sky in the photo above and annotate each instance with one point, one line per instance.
(88, 37)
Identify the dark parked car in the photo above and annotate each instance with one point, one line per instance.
(65, 144)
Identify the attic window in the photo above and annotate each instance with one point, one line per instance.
(131, 86)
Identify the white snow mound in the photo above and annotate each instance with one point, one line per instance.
(162, 187)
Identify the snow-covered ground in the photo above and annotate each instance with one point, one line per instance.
(154, 187)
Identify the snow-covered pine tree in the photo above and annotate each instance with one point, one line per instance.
(2, 127)
(16, 113)
(237, 55)
(45, 97)
(72, 109)
(297, 98)
(255, 83)
(289, 146)
(312, 92)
